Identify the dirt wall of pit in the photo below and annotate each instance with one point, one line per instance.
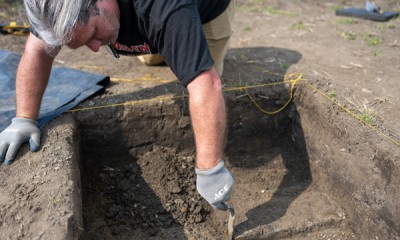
(40, 193)
(359, 169)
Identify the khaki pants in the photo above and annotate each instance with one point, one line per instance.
(218, 33)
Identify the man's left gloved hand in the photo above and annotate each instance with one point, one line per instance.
(20, 131)
(215, 185)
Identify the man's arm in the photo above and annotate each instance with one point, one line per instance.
(207, 110)
(32, 77)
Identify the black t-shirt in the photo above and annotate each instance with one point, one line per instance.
(171, 28)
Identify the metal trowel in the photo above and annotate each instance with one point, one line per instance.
(228, 233)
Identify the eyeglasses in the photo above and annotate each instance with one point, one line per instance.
(110, 48)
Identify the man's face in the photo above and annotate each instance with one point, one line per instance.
(100, 30)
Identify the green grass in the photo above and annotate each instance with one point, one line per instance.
(346, 21)
(332, 94)
(348, 35)
(257, 6)
(377, 52)
(300, 26)
(366, 114)
(283, 65)
(250, 8)
(371, 40)
(384, 26)
(367, 118)
(272, 10)
(247, 29)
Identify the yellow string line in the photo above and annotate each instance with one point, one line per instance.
(133, 102)
(272, 73)
(185, 95)
(127, 103)
(293, 83)
(147, 77)
(90, 66)
(240, 88)
(298, 77)
(385, 136)
(114, 79)
(382, 134)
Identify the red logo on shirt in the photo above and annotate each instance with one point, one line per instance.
(144, 48)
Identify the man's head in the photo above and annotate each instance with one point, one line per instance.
(74, 22)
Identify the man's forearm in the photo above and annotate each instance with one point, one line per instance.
(32, 77)
(208, 114)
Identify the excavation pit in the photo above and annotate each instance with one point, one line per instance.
(138, 171)
(296, 176)
(309, 171)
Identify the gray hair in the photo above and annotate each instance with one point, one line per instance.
(53, 20)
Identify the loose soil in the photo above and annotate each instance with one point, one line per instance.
(137, 161)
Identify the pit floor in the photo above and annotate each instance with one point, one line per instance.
(148, 190)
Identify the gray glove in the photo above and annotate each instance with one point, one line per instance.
(20, 131)
(215, 185)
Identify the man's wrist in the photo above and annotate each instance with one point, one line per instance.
(211, 170)
(26, 115)
(205, 165)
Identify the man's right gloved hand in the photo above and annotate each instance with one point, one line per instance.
(20, 131)
(215, 185)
